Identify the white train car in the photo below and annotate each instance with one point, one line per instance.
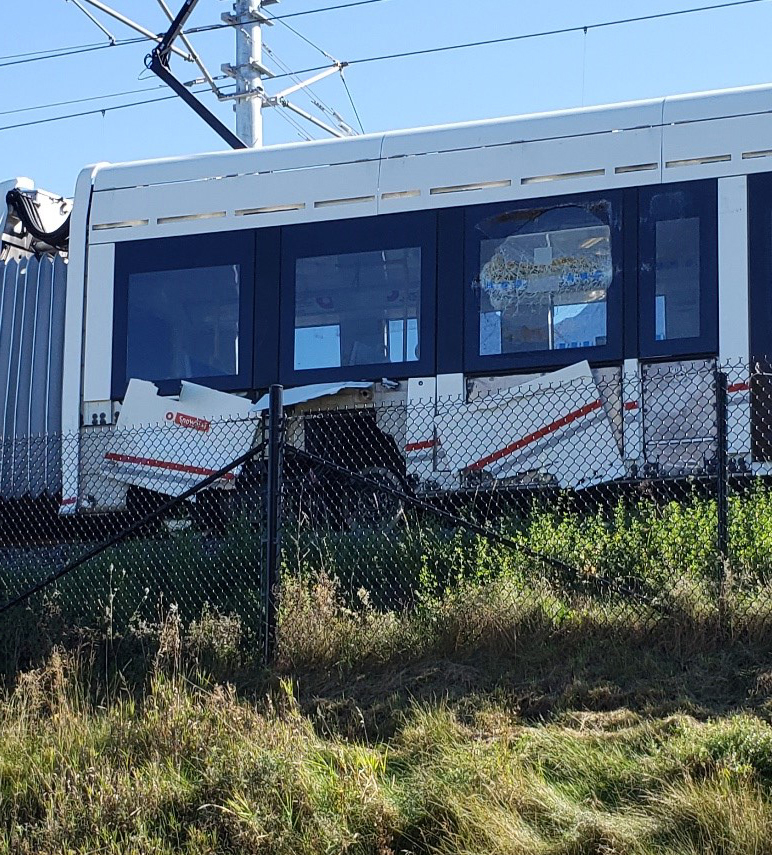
(611, 243)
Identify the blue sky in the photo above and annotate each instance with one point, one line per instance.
(709, 50)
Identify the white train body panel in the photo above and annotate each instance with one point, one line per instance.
(724, 137)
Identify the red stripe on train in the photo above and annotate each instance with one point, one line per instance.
(536, 435)
(164, 464)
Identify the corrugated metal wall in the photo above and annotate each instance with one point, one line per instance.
(32, 299)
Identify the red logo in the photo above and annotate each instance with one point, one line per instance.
(192, 422)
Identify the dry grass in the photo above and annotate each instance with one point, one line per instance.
(198, 770)
(484, 721)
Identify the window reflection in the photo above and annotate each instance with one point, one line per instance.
(677, 297)
(357, 308)
(544, 279)
(317, 347)
(183, 323)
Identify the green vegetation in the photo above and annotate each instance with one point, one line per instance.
(508, 729)
(432, 694)
(657, 557)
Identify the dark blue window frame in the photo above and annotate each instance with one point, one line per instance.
(180, 253)
(760, 297)
(538, 360)
(702, 202)
(368, 234)
(760, 266)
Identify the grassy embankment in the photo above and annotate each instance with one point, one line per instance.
(506, 712)
(511, 731)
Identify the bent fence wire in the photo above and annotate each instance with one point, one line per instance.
(164, 523)
(642, 495)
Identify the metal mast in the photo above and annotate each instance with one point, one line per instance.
(248, 72)
(249, 98)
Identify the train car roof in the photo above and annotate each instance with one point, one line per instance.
(535, 127)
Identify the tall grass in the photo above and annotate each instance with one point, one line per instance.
(645, 561)
(194, 769)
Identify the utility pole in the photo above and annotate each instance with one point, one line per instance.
(248, 72)
(247, 20)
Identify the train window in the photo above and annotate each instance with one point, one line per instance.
(183, 311)
(371, 299)
(183, 323)
(678, 283)
(544, 279)
(358, 298)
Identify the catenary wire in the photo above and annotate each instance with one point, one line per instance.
(10, 60)
(72, 101)
(423, 52)
(95, 112)
(48, 51)
(579, 28)
(73, 50)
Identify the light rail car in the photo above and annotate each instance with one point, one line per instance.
(453, 272)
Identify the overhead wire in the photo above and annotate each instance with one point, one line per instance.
(413, 53)
(300, 14)
(301, 36)
(71, 101)
(351, 99)
(59, 53)
(579, 28)
(316, 99)
(300, 130)
(95, 112)
(36, 56)
(311, 93)
(48, 50)
(73, 50)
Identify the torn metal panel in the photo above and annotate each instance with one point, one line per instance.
(169, 444)
(553, 429)
(303, 394)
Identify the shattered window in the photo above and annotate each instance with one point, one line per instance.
(544, 276)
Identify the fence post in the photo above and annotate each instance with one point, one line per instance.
(722, 487)
(273, 516)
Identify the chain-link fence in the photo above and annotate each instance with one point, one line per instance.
(163, 520)
(643, 495)
(624, 496)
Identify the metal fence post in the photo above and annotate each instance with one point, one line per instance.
(722, 486)
(273, 516)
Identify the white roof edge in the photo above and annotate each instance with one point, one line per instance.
(345, 147)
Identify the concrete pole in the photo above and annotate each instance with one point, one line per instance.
(249, 84)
